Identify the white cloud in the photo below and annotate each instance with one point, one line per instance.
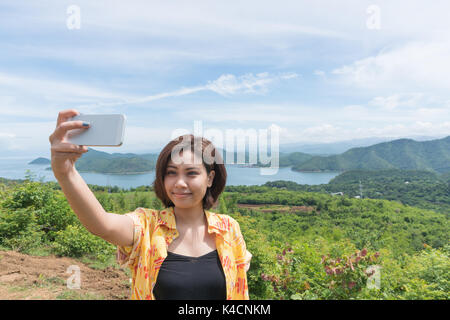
(36, 97)
(333, 133)
(399, 100)
(432, 113)
(325, 130)
(39, 97)
(206, 18)
(162, 35)
(250, 112)
(52, 88)
(410, 66)
(229, 84)
(6, 141)
(319, 73)
(225, 85)
(26, 137)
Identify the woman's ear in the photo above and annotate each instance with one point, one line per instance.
(211, 177)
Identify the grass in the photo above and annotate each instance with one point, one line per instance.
(74, 295)
(94, 263)
(26, 292)
(89, 260)
(45, 282)
(3, 248)
(41, 251)
(97, 264)
(17, 289)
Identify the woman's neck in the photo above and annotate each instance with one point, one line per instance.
(189, 217)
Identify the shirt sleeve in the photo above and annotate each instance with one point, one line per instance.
(129, 255)
(240, 246)
(241, 287)
(248, 258)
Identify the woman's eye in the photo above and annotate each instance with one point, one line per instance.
(189, 173)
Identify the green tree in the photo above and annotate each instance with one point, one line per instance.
(222, 205)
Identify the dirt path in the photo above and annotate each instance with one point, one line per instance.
(24, 277)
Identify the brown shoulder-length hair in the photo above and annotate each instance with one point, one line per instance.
(197, 145)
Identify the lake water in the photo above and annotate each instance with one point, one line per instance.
(15, 168)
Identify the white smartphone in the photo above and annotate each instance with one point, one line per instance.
(106, 130)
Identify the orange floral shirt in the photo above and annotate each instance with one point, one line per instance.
(154, 230)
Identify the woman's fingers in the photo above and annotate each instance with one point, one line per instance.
(58, 156)
(62, 129)
(65, 115)
(56, 139)
(65, 147)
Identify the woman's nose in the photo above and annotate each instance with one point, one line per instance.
(180, 182)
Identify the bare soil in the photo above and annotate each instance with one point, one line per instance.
(24, 277)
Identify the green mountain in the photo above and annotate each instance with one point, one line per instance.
(405, 154)
(291, 159)
(118, 163)
(40, 160)
(285, 159)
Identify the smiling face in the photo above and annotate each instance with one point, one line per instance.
(186, 183)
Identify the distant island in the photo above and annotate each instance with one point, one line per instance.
(40, 160)
(116, 163)
(402, 154)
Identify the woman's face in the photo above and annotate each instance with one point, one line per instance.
(186, 183)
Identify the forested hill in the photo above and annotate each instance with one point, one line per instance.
(119, 163)
(422, 189)
(405, 154)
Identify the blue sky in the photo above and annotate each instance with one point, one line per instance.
(321, 71)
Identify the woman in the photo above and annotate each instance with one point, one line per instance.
(181, 252)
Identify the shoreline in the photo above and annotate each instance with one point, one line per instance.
(117, 173)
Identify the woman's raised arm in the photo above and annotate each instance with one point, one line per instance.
(114, 228)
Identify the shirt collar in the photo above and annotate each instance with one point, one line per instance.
(215, 223)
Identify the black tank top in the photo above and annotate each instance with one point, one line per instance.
(191, 278)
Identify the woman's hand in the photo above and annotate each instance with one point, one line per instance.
(63, 153)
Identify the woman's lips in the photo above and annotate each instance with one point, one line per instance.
(181, 195)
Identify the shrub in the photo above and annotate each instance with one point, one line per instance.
(51, 208)
(105, 200)
(19, 229)
(76, 241)
(55, 216)
(347, 275)
(428, 275)
(157, 204)
(28, 194)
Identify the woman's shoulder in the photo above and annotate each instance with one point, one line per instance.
(222, 216)
(223, 220)
(146, 213)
